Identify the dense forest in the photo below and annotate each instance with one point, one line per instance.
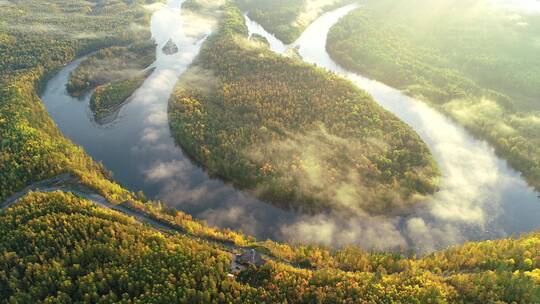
(286, 19)
(59, 248)
(474, 61)
(295, 135)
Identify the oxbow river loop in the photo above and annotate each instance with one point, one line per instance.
(481, 197)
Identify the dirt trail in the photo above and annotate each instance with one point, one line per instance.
(69, 183)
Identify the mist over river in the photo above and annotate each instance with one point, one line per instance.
(481, 197)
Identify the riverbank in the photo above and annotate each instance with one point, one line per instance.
(488, 85)
(23, 119)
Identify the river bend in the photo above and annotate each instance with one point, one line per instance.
(481, 197)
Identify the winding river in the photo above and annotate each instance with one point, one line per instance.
(481, 196)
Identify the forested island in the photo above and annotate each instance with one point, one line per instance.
(109, 97)
(115, 63)
(112, 74)
(294, 135)
(470, 59)
(61, 248)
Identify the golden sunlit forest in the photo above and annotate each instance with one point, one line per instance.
(397, 163)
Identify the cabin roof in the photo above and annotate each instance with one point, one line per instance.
(251, 257)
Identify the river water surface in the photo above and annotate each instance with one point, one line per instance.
(481, 196)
